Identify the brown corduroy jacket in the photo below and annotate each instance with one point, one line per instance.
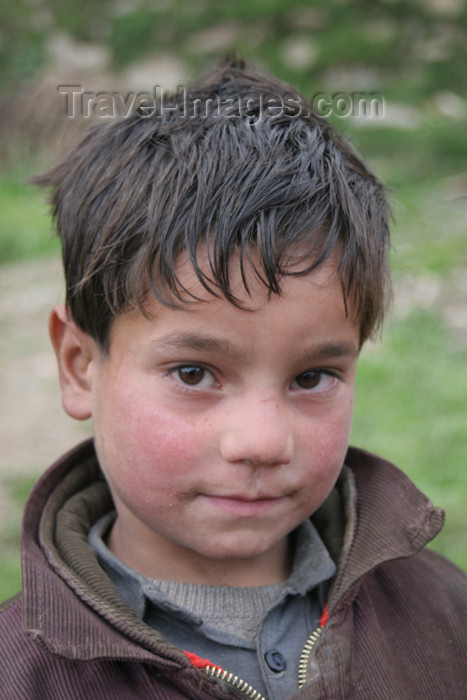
(397, 627)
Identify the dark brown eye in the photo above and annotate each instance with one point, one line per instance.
(191, 375)
(309, 380)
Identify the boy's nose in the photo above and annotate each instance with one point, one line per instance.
(257, 432)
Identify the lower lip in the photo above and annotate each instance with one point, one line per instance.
(245, 509)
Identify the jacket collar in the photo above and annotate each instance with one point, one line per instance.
(378, 497)
(72, 610)
(69, 607)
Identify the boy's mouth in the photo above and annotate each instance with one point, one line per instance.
(244, 505)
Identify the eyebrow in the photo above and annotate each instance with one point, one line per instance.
(193, 341)
(222, 346)
(332, 350)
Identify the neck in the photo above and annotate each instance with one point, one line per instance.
(161, 559)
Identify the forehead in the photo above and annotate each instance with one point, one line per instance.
(247, 280)
(310, 310)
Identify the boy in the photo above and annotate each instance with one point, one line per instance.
(219, 539)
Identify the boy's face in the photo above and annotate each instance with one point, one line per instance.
(219, 429)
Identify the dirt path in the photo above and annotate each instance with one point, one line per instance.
(34, 429)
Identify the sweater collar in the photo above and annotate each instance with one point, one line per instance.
(312, 566)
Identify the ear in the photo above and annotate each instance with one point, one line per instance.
(76, 353)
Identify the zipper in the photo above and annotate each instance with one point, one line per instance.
(218, 673)
(309, 646)
(306, 653)
(238, 683)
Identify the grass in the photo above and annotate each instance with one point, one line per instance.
(25, 227)
(410, 408)
(392, 37)
(10, 581)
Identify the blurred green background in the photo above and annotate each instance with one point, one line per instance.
(412, 388)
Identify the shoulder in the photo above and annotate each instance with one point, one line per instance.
(431, 570)
(428, 579)
(428, 583)
(11, 620)
(406, 625)
(12, 635)
(19, 656)
(423, 601)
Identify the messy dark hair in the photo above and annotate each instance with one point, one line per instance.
(238, 161)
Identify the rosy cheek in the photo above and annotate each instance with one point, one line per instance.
(329, 447)
(160, 444)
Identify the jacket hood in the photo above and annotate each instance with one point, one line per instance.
(67, 598)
